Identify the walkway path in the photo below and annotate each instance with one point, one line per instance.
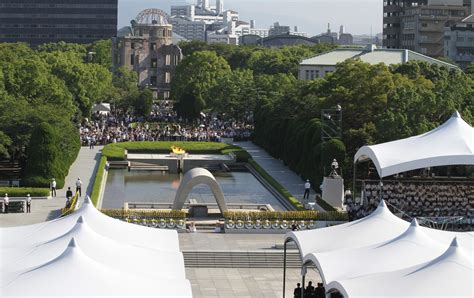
(281, 173)
(84, 167)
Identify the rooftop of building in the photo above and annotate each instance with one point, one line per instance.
(372, 55)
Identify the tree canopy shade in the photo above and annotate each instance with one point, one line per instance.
(195, 76)
(55, 84)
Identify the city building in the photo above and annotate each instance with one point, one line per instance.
(148, 49)
(44, 21)
(329, 37)
(423, 27)
(320, 65)
(459, 41)
(192, 30)
(418, 25)
(278, 29)
(283, 40)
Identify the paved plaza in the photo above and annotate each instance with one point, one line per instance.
(281, 173)
(84, 167)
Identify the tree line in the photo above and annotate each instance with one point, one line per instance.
(44, 95)
(379, 103)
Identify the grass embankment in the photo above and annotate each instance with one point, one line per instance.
(98, 180)
(23, 191)
(276, 185)
(116, 151)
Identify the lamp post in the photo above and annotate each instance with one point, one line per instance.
(331, 120)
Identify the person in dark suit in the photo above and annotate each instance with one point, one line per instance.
(308, 292)
(320, 291)
(68, 195)
(297, 291)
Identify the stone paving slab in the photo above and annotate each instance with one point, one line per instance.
(228, 242)
(245, 282)
(281, 173)
(85, 167)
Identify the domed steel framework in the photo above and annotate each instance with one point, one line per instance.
(153, 16)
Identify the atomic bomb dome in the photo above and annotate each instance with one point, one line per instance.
(152, 16)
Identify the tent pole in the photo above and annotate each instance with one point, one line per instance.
(354, 183)
(284, 268)
(302, 282)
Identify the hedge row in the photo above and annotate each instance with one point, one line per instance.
(23, 191)
(276, 185)
(286, 215)
(51, 152)
(116, 151)
(98, 180)
(144, 214)
(298, 143)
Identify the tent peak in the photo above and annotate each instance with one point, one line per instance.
(80, 219)
(414, 223)
(87, 200)
(72, 243)
(456, 115)
(382, 204)
(454, 243)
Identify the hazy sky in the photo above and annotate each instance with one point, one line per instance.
(311, 16)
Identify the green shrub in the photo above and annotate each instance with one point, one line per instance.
(23, 191)
(98, 180)
(276, 185)
(116, 151)
(51, 151)
(144, 214)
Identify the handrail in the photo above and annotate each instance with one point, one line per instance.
(72, 205)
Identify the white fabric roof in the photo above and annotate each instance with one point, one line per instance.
(361, 258)
(450, 144)
(449, 275)
(89, 253)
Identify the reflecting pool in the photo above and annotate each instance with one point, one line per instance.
(160, 187)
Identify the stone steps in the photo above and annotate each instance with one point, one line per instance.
(240, 259)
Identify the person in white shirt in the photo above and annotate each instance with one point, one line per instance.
(307, 188)
(28, 203)
(53, 188)
(79, 186)
(6, 202)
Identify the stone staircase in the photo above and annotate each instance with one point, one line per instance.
(241, 259)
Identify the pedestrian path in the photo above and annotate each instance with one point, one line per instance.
(281, 173)
(84, 167)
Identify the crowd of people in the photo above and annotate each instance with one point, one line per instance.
(310, 291)
(418, 199)
(162, 125)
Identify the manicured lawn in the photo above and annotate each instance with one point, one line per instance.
(23, 191)
(116, 151)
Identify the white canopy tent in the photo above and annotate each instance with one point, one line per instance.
(450, 144)
(377, 246)
(89, 253)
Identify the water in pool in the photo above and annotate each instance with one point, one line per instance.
(160, 187)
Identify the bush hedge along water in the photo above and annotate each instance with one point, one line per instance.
(23, 191)
(116, 151)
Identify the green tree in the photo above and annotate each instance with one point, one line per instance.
(101, 53)
(44, 160)
(195, 77)
(144, 103)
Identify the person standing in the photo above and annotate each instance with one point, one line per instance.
(297, 291)
(307, 188)
(53, 188)
(28, 203)
(79, 186)
(6, 202)
(68, 195)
